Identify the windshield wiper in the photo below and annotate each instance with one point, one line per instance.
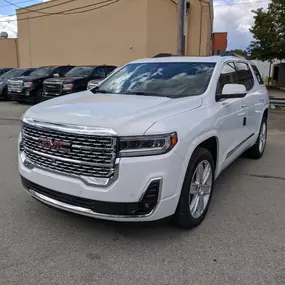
(142, 93)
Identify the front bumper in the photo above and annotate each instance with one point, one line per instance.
(23, 96)
(47, 95)
(135, 174)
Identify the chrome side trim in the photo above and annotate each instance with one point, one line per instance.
(69, 128)
(81, 210)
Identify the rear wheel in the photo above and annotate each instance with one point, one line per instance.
(257, 150)
(197, 190)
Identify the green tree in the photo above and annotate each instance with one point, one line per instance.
(269, 32)
(240, 52)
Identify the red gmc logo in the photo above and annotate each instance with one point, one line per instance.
(52, 144)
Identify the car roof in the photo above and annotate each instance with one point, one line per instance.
(209, 59)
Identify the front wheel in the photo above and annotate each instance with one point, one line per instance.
(197, 190)
(39, 96)
(257, 150)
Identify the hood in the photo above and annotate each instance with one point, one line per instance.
(29, 78)
(63, 79)
(126, 114)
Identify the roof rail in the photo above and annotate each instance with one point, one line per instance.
(163, 55)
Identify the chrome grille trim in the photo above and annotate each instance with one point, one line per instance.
(15, 85)
(91, 157)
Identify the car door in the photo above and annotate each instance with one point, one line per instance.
(245, 77)
(230, 117)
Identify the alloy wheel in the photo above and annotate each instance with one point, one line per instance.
(200, 188)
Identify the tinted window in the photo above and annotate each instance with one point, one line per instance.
(167, 79)
(109, 69)
(99, 72)
(62, 70)
(80, 71)
(13, 73)
(43, 71)
(244, 75)
(257, 74)
(4, 70)
(228, 76)
(28, 72)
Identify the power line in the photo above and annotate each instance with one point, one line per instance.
(64, 12)
(18, 3)
(241, 3)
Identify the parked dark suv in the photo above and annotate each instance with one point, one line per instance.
(74, 81)
(30, 88)
(4, 79)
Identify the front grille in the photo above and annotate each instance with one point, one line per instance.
(87, 155)
(15, 85)
(52, 88)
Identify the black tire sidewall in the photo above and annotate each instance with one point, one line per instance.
(183, 216)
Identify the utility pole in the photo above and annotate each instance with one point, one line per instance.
(181, 27)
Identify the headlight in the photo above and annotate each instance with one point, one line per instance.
(67, 86)
(28, 84)
(147, 145)
(91, 85)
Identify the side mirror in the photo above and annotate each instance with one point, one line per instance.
(231, 91)
(55, 75)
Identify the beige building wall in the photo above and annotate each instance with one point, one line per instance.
(8, 51)
(114, 34)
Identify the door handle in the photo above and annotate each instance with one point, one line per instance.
(243, 105)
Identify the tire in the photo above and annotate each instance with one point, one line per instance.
(185, 215)
(257, 150)
(39, 95)
(6, 95)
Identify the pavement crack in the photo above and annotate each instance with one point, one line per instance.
(265, 176)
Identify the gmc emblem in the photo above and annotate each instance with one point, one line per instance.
(52, 144)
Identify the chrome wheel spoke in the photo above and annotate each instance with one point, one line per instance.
(200, 206)
(194, 188)
(206, 189)
(199, 173)
(206, 173)
(194, 204)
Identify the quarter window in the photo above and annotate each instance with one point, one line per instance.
(244, 75)
(257, 74)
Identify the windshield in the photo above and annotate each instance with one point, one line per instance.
(80, 71)
(167, 79)
(12, 73)
(43, 71)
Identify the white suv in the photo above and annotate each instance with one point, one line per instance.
(147, 143)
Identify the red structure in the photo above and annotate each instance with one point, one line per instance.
(219, 44)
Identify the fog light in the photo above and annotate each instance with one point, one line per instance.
(27, 93)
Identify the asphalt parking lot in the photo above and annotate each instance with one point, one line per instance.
(242, 240)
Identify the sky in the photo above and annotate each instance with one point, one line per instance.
(232, 16)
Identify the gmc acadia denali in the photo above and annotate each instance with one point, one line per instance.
(148, 142)
(30, 88)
